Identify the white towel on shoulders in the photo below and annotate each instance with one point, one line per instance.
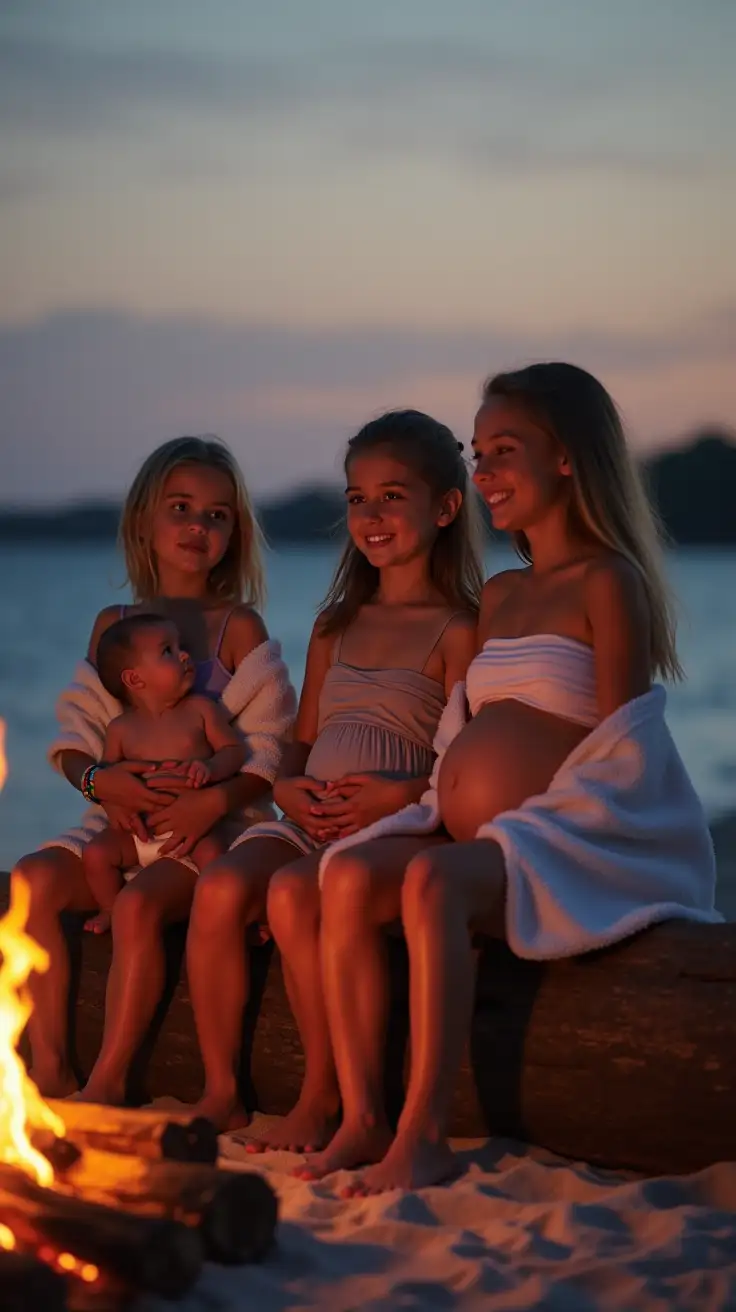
(259, 698)
(617, 842)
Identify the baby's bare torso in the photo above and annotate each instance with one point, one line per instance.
(177, 734)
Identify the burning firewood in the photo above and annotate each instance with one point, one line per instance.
(145, 1132)
(141, 1252)
(236, 1212)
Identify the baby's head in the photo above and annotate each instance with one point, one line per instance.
(140, 662)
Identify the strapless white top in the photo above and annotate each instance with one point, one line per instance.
(543, 670)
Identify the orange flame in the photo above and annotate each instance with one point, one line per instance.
(21, 1105)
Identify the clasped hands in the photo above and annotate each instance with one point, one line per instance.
(171, 795)
(335, 808)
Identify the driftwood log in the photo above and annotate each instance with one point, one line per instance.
(235, 1212)
(141, 1253)
(625, 1058)
(147, 1133)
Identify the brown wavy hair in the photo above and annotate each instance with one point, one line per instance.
(608, 496)
(239, 576)
(434, 454)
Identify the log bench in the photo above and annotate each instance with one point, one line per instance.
(624, 1058)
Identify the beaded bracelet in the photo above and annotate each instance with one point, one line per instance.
(87, 786)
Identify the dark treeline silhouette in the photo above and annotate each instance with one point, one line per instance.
(694, 488)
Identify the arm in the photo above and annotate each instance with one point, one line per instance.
(72, 761)
(306, 725)
(228, 748)
(618, 615)
(458, 647)
(293, 791)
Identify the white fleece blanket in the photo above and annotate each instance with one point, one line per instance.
(259, 697)
(618, 841)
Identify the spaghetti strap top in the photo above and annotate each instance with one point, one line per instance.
(210, 676)
(376, 719)
(543, 670)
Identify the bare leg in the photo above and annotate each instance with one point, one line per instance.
(361, 895)
(158, 896)
(104, 859)
(57, 883)
(230, 895)
(445, 892)
(293, 917)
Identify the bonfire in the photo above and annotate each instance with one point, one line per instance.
(99, 1203)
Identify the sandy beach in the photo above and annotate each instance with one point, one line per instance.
(520, 1228)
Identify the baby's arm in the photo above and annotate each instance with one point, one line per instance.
(228, 748)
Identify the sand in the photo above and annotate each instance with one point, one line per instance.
(520, 1228)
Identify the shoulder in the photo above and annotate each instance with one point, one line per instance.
(110, 615)
(461, 629)
(322, 639)
(497, 588)
(202, 707)
(244, 632)
(322, 634)
(613, 587)
(118, 724)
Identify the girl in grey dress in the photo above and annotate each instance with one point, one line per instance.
(396, 632)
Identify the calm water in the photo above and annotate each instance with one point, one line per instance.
(50, 596)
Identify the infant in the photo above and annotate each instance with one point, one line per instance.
(182, 733)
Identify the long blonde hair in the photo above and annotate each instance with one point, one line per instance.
(608, 496)
(239, 576)
(433, 453)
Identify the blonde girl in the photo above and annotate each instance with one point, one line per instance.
(192, 548)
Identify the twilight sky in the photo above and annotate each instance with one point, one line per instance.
(272, 220)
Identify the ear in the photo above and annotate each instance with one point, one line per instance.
(451, 503)
(563, 463)
(132, 680)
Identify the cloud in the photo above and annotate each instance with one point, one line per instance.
(452, 97)
(86, 395)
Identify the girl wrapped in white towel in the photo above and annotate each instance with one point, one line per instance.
(192, 552)
(572, 819)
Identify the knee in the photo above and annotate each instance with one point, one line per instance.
(426, 889)
(347, 887)
(292, 903)
(222, 896)
(135, 915)
(45, 879)
(209, 850)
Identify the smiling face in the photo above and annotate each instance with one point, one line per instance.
(521, 471)
(194, 520)
(392, 515)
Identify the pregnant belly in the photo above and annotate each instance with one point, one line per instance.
(506, 753)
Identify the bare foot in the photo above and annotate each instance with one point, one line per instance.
(352, 1146)
(100, 1091)
(410, 1163)
(99, 924)
(307, 1128)
(226, 1113)
(56, 1082)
